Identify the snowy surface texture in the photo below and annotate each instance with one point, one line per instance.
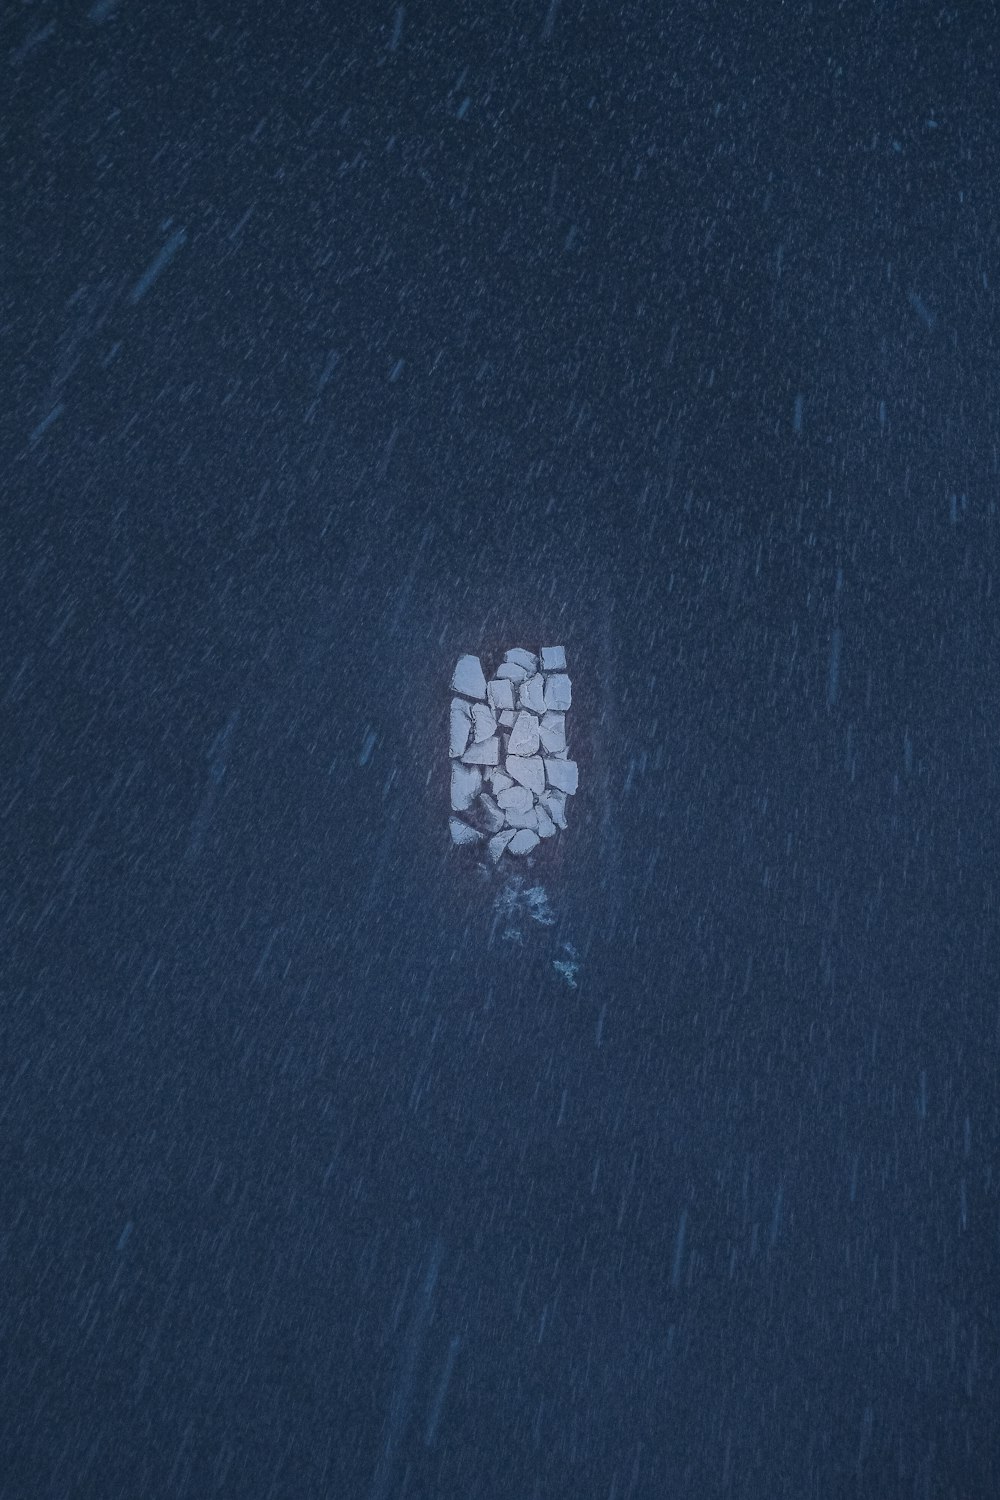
(522, 734)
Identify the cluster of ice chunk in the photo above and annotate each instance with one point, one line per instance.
(510, 766)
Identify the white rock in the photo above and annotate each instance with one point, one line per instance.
(552, 732)
(461, 723)
(508, 718)
(515, 799)
(469, 678)
(522, 658)
(465, 784)
(500, 692)
(499, 781)
(523, 841)
(492, 815)
(558, 692)
(524, 735)
(485, 754)
(531, 694)
(544, 825)
(461, 833)
(529, 771)
(561, 774)
(484, 726)
(554, 804)
(553, 658)
(527, 819)
(511, 672)
(498, 843)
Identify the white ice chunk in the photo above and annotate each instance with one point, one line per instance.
(561, 774)
(461, 723)
(515, 799)
(552, 731)
(469, 678)
(531, 694)
(553, 658)
(500, 692)
(554, 803)
(465, 784)
(508, 718)
(524, 735)
(529, 771)
(544, 825)
(511, 672)
(499, 781)
(523, 841)
(498, 843)
(484, 726)
(461, 833)
(526, 659)
(558, 692)
(487, 753)
(491, 813)
(527, 819)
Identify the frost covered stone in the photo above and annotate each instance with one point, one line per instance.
(500, 692)
(561, 774)
(558, 692)
(469, 678)
(526, 659)
(554, 804)
(498, 843)
(463, 833)
(512, 672)
(524, 735)
(523, 841)
(460, 725)
(484, 726)
(531, 694)
(528, 770)
(515, 799)
(465, 784)
(552, 732)
(485, 754)
(553, 658)
(492, 815)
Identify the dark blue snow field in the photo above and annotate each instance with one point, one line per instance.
(338, 341)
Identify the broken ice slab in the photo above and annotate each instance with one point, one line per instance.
(524, 735)
(544, 825)
(469, 678)
(522, 658)
(554, 803)
(508, 718)
(465, 784)
(499, 781)
(553, 658)
(523, 841)
(462, 833)
(498, 843)
(561, 774)
(500, 692)
(492, 815)
(484, 726)
(461, 723)
(515, 799)
(512, 672)
(558, 692)
(528, 819)
(531, 694)
(487, 753)
(529, 771)
(552, 732)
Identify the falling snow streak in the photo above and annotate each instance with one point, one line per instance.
(402, 1396)
(158, 265)
(833, 672)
